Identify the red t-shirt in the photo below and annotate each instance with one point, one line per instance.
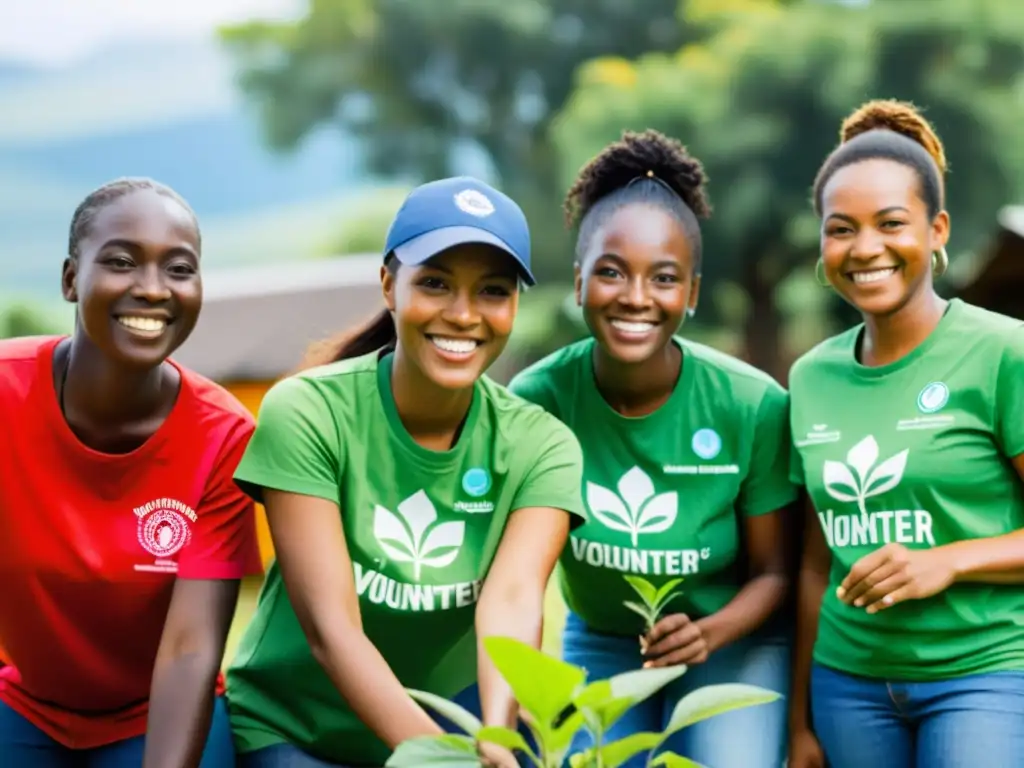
(91, 545)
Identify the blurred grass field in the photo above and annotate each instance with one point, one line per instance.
(554, 617)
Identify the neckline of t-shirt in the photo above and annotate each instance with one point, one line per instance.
(953, 309)
(51, 410)
(424, 455)
(603, 407)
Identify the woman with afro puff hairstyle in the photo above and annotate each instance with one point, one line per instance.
(909, 436)
(685, 456)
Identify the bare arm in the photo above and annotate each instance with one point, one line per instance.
(512, 599)
(187, 663)
(763, 594)
(996, 560)
(312, 554)
(811, 586)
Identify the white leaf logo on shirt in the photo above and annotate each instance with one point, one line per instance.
(409, 538)
(636, 508)
(866, 479)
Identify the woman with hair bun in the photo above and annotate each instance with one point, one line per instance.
(685, 456)
(908, 433)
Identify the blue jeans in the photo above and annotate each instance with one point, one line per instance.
(963, 722)
(22, 744)
(746, 738)
(289, 756)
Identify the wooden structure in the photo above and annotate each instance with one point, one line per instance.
(994, 277)
(257, 323)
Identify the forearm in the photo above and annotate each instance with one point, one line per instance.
(749, 609)
(996, 560)
(519, 616)
(810, 592)
(180, 709)
(366, 682)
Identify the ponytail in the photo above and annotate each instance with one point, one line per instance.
(372, 336)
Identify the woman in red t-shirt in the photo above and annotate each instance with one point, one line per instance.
(122, 535)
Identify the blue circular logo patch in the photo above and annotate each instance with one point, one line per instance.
(933, 397)
(706, 443)
(476, 481)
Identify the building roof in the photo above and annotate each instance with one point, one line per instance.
(257, 321)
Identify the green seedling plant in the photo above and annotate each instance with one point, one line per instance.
(652, 599)
(556, 701)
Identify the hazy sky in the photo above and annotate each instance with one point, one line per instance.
(57, 31)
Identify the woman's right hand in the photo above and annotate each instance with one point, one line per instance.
(804, 750)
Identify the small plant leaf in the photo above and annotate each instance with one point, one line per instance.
(711, 700)
(672, 760)
(558, 740)
(447, 751)
(506, 737)
(647, 591)
(461, 717)
(642, 683)
(637, 608)
(665, 590)
(660, 606)
(616, 753)
(543, 685)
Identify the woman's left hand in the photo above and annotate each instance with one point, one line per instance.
(675, 639)
(894, 574)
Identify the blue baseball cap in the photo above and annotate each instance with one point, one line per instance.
(457, 211)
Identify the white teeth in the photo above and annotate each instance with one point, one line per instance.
(873, 275)
(455, 346)
(144, 324)
(629, 327)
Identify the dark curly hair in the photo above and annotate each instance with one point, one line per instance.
(101, 197)
(890, 130)
(646, 167)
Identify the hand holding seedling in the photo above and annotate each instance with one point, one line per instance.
(652, 599)
(675, 640)
(894, 574)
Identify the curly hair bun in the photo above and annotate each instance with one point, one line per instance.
(647, 154)
(900, 117)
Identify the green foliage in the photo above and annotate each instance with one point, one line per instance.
(429, 94)
(25, 320)
(652, 599)
(556, 701)
(760, 100)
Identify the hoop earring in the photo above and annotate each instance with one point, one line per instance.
(819, 274)
(940, 262)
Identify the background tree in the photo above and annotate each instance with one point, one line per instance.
(760, 100)
(426, 90)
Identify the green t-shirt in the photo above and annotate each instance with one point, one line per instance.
(422, 528)
(665, 492)
(916, 452)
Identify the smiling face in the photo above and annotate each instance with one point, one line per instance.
(454, 314)
(877, 238)
(136, 279)
(635, 282)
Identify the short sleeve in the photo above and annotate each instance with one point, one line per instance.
(223, 544)
(768, 486)
(533, 388)
(1009, 395)
(296, 446)
(555, 475)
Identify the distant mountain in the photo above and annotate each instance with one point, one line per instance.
(166, 110)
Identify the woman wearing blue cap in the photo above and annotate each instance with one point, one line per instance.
(415, 505)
